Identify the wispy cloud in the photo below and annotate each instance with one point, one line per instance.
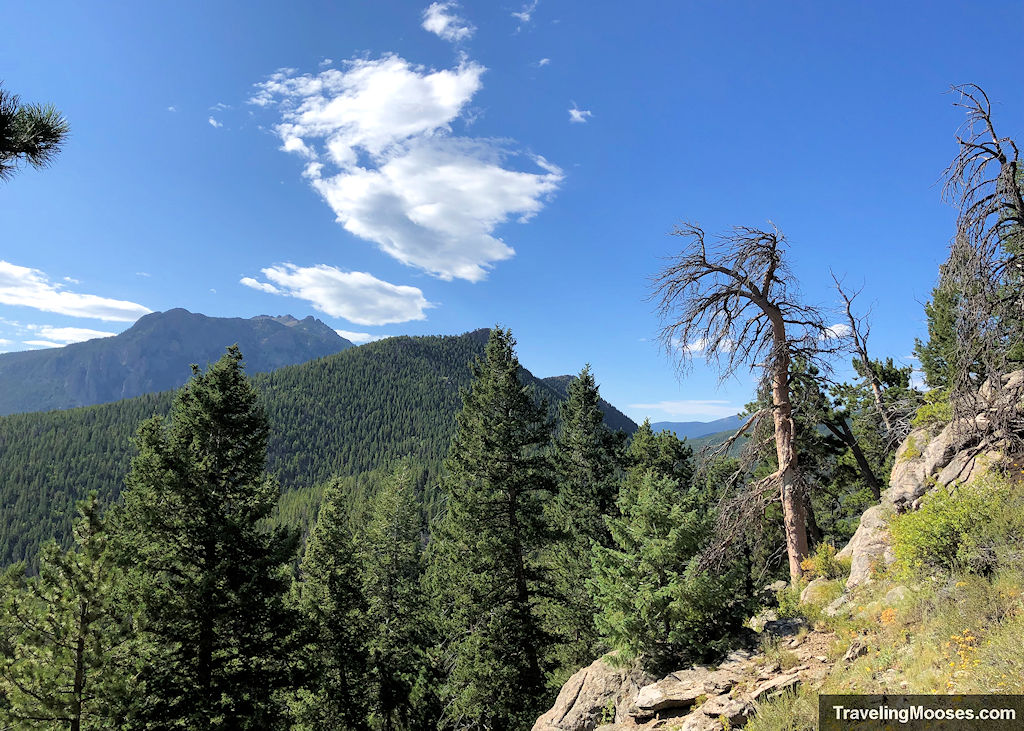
(356, 296)
(172, 108)
(26, 287)
(543, 62)
(65, 335)
(526, 14)
(378, 144)
(443, 20)
(214, 123)
(579, 116)
(42, 344)
(696, 409)
(360, 338)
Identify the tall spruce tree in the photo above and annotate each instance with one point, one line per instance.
(333, 609)
(62, 639)
(484, 568)
(587, 458)
(654, 600)
(207, 579)
(391, 567)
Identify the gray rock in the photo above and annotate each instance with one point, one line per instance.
(815, 591)
(869, 546)
(775, 686)
(699, 722)
(681, 689)
(857, 649)
(737, 710)
(896, 595)
(582, 701)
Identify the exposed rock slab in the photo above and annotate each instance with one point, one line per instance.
(588, 693)
(869, 546)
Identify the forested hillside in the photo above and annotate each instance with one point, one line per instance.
(341, 415)
(154, 355)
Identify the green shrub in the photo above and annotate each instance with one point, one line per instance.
(935, 410)
(967, 529)
(824, 564)
(789, 601)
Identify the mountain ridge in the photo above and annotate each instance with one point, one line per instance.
(154, 355)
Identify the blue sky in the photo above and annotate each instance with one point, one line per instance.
(416, 168)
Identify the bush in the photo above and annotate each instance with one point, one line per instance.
(824, 564)
(967, 529)
(935, 410)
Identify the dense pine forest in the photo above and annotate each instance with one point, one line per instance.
(334, 417)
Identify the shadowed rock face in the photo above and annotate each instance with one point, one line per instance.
(153, 355)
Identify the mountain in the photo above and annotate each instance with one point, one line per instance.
(154, 355)
(345, 414)
(695, 429)
(615, 419)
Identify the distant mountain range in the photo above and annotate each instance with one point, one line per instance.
(153, 355)
(696, 429)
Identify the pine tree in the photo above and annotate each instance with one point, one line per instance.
(207, 579)
(587, 459)
(391, 574)
(484, 553)
(653, 600)
(938, 355)
(333, 609)
(63, 638)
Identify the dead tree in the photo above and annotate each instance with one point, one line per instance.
(985, 182)
(736, 302)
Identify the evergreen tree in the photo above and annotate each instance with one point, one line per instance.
(587, 458)
(29, 133)
(484, 553)
(333, 609)
(938, 355)
(653, 599)
(207, 580)
(62, 637)
(396, 638)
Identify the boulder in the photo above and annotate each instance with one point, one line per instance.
(681, 689)
(868, 547)
(775, 686)
(736, 710)
(816, 591)
(583, 701)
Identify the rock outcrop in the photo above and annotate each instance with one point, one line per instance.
(591, 697)
(936, 455)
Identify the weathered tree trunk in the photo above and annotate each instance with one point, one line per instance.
(794, 516)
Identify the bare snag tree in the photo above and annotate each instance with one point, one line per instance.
(985, 182)
(736, 301)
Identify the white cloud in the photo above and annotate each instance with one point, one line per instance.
(442, 20)
(356, 296)
(397, 175)
(214, 123)
(27, 287)
(357, 338)
(835, 332)
(71, 280)
(65, 335)
(544, 62)
(172, 109)
(326, 62)
(691, 408)
(143, 274)
(526, 14)
(42, 344)
(579, 116)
